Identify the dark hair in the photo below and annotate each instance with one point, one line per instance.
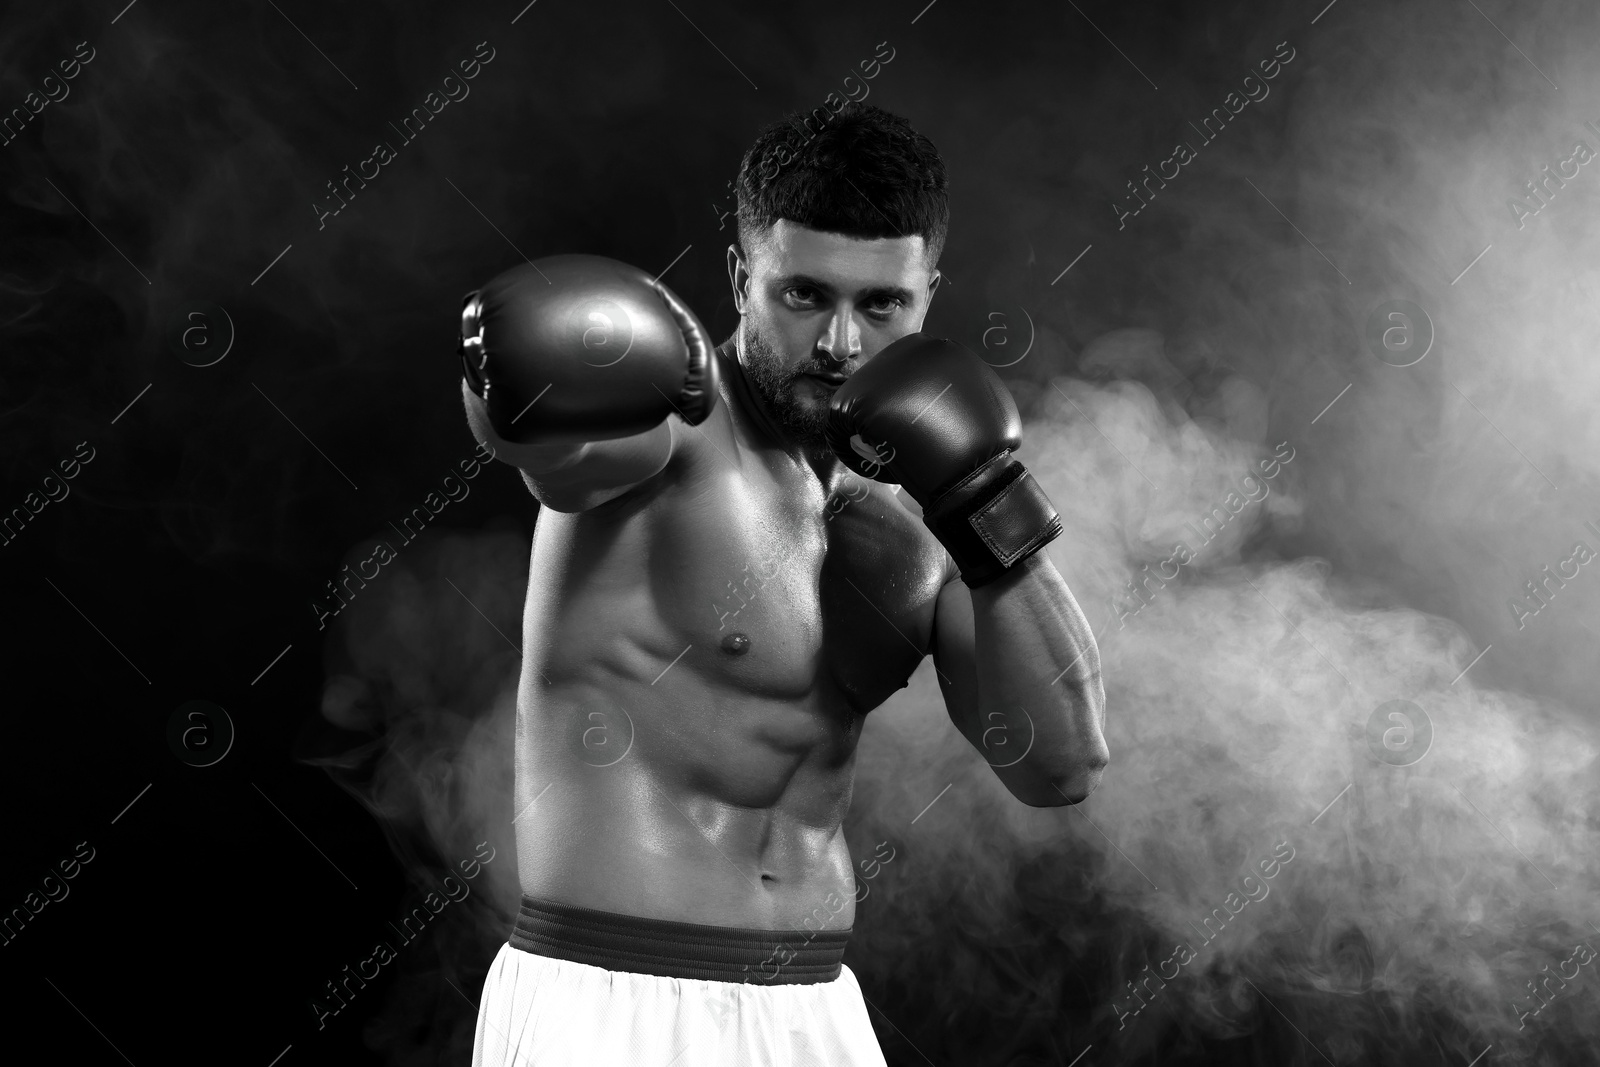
(864, 173)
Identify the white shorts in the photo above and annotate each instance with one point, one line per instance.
(543, 1012)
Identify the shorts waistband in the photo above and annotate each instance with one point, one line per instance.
(677, 949)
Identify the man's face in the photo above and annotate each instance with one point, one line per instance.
(816, 303)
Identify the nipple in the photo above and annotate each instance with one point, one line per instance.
(736, 644)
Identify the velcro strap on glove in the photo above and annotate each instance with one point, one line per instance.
(993, 519)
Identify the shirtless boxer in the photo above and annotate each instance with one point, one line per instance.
(717, 598)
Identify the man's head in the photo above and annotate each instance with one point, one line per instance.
(840, 232)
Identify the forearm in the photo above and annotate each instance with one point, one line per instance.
(1038, 676)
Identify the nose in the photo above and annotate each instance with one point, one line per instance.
(843, 338)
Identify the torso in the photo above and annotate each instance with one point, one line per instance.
(657, 772)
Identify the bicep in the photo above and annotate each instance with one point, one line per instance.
(576, 477)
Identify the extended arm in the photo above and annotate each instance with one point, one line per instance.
(572, 368)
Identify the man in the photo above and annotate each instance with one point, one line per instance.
(716, 600)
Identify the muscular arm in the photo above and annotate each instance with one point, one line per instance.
(1018, 654)
(572, 478)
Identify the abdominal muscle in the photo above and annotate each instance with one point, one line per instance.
(707, 788)
(696, 817)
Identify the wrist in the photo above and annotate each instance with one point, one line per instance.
(993, 519)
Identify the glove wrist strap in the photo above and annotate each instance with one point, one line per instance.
(993, 519)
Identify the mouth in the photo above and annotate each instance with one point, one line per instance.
(832, 378)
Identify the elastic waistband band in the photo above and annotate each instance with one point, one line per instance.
(678, 950)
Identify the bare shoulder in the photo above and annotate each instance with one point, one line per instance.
(879, 529)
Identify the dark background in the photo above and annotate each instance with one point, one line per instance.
(187, 157)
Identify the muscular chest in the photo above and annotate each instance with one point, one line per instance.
(800, 588)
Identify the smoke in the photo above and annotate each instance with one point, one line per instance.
(1419, 899)
(419, 723)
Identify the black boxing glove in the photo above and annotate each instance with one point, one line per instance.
(930, 415)
(580, 348)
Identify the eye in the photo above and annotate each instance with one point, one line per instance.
(801, 296)
(884, 305)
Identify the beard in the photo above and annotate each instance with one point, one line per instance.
(803, 417)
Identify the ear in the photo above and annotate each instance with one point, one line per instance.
(933, 287)
(739, 278)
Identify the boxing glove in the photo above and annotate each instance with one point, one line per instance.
(931, 416)
(578, 348)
